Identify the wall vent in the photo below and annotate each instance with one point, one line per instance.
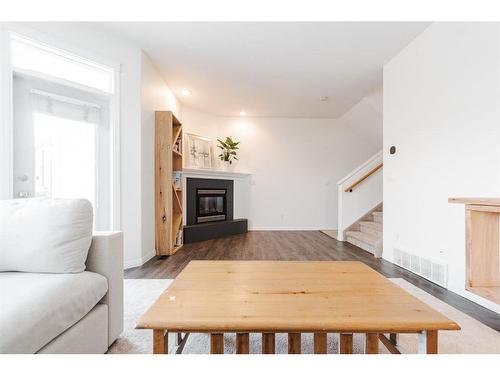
(432, 270)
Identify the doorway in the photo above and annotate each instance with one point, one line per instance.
(61, 145)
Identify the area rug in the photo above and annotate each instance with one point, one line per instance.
(474, 338)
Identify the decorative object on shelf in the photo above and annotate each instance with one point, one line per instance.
(178, 145)
(179, 238)
(229, 153)
(199, 151)
(177, 179)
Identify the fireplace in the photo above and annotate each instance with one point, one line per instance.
(209, 210)
(208, 200)
(210, 205)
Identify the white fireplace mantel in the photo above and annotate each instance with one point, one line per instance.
(207, 173)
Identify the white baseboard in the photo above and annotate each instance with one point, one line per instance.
(131, 263)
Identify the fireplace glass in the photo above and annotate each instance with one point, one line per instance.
(211, 205)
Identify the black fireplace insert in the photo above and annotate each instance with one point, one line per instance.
(208, 200)
(211, 205)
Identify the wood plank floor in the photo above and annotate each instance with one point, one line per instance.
(298, 245)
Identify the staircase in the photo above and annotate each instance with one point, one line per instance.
(367, 233)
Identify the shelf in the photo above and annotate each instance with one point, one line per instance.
(476, 201)
(193, 172)
(176, 161)
(177, 153)
(177, 201)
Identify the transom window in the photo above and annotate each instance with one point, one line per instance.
(33, 57)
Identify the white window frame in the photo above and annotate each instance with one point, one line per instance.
(6, 109)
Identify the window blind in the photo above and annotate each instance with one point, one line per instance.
(65, 107)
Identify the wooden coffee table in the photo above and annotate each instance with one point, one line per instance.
(268, 297)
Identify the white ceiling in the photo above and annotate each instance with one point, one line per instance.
(271, 69)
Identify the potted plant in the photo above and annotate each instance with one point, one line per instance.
(229, 153)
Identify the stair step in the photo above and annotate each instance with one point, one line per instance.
(365, 241)
(378, 216)
(371, 227)
(370, 239)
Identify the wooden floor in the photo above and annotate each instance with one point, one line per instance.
(299, 245)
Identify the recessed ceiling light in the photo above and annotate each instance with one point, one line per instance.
(243, 113)
(323, 98)
(186, 92)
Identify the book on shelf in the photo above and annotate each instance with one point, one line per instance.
(177, 179)
(178, 238)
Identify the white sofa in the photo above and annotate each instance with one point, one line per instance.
(55, 312)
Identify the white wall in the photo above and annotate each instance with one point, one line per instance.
(5, 118)
(155, 96)
(295, 163)
(365, 118)
(200, 123)
(441, 111)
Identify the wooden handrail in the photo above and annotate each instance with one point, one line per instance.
(350, 188)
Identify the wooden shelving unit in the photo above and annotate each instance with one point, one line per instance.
(168, 197)
(482, 246)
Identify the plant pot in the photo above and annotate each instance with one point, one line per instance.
(225, 166)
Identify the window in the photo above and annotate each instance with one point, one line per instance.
(64, 158)
(29, 56)
(65, 135)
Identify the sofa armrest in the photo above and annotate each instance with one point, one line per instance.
(106, 258)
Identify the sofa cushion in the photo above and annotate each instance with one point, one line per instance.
(45, 235)
(37, 307)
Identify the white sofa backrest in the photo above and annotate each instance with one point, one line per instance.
(45, 235)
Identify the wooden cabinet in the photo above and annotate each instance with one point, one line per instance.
(168, 194)
(482, 246)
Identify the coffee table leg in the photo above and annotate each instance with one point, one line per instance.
(371, 343)
(393, 338)
(346, 345)
(160, 341)
(242, 343)
(268, 343)
(294, 343)
(216, 343)
(320, 343)
(428, 342)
